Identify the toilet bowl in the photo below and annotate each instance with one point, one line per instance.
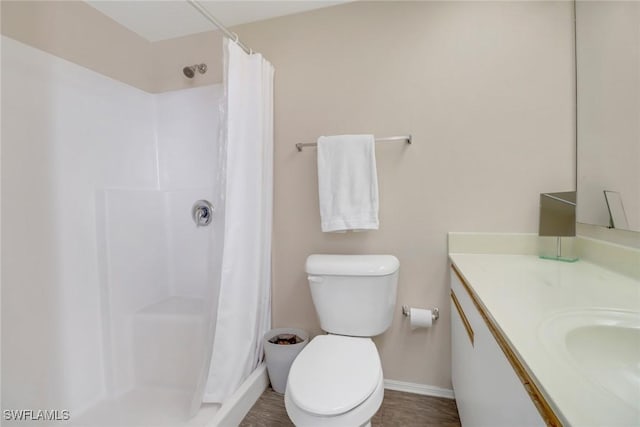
(335, 381)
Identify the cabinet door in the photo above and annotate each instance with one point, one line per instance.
(503, 401)
(488, 392)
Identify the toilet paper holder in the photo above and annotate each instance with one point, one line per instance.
(435, 312)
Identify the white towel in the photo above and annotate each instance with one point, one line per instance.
(347, 183)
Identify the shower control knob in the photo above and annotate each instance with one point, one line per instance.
(202, 213)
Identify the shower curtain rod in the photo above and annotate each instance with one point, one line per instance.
(230, 34)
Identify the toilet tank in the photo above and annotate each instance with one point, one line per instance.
(354, 295)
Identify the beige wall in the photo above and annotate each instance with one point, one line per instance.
(486, 89)
(79, 33)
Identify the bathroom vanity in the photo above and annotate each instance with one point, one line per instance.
(538, 341)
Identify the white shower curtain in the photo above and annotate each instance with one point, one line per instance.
(244, 307)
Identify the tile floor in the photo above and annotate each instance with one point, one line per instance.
(398, 410)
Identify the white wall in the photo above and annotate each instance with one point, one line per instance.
(66, 131)
(154, 227)
(187, 120)
(85, 204)
(136, 264)
(29, 295)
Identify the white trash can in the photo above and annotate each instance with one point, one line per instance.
(280, 357)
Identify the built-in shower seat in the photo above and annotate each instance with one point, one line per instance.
(168, 337)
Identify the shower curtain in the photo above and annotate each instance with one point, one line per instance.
(244, 307)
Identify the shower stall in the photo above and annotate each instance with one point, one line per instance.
(133, 285)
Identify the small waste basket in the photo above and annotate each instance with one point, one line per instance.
(281, 347)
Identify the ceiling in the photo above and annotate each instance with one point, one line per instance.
(166, 19)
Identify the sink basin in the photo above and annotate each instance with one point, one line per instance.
(611, 356)
(601, 346)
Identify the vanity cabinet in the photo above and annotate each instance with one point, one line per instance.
(487, 389)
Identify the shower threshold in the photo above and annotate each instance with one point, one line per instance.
(145, 407)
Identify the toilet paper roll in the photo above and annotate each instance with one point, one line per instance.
(420, 318)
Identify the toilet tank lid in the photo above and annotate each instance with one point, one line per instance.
(352, 265)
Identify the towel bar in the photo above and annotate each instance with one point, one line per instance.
(407, 139)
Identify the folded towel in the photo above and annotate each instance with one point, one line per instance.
(347, 182)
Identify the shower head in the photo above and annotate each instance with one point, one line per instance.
(190, 71)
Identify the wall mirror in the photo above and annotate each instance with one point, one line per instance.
(608, 113)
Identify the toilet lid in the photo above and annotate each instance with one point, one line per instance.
(334, 374)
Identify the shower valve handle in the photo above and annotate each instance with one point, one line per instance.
(202, 213)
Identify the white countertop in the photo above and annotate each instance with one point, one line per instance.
(522, 292)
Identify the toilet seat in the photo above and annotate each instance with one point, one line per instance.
(358, 416)
(334, 374)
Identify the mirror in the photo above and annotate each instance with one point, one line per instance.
(557, 221)
(617, 215)
(608, 113)
(557, 214)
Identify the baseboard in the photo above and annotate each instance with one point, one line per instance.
(424, 389)
(236, 407)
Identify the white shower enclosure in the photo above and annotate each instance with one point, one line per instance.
(109, 290)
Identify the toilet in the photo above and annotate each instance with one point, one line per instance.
(337, 379)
